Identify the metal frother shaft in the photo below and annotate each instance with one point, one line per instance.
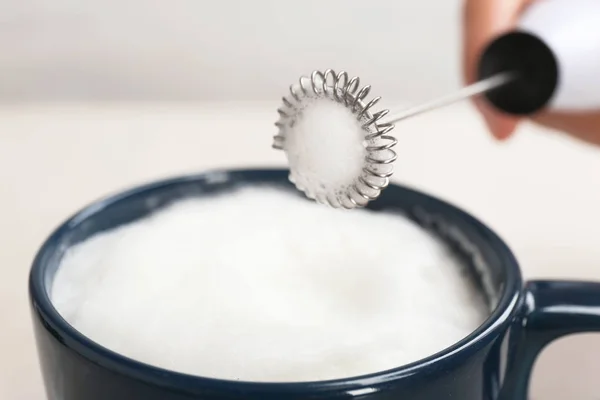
(462, 94)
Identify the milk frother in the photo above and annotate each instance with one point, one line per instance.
(550, 61)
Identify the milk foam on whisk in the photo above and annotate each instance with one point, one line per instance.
(338, 150)
(327, 149)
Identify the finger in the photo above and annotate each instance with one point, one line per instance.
(484, 20)
(501, 125)
(583, 126)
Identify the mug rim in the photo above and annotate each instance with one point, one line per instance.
(495, 323)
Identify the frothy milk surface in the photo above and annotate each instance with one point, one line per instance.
(262, 285)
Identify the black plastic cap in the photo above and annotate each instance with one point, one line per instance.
(535, 70)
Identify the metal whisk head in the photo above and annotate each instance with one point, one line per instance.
(373, 175)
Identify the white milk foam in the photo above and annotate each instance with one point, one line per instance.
(325, 148)
(262, 285)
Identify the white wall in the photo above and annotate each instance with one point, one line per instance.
(223, 49)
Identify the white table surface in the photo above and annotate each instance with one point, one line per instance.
(540, 192)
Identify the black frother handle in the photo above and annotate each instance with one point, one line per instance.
(535, 72)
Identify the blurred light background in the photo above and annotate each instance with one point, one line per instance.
(222, 50)
(99, 95)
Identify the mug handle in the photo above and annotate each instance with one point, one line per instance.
(552, 309)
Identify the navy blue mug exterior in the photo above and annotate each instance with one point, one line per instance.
(494, 362)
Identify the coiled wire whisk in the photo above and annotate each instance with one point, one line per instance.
(377, 166)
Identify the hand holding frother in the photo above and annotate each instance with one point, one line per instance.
(485, 20)
(546, 67)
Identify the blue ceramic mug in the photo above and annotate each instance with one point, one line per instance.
(493, 362)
